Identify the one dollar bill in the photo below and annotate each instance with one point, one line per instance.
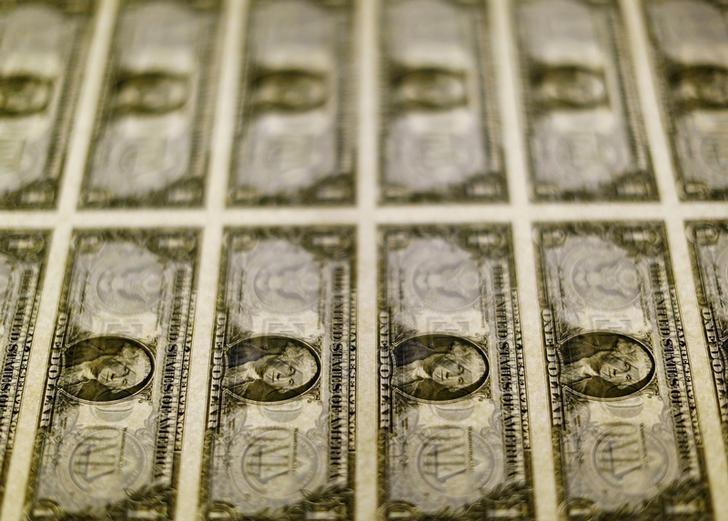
(624, 423)
(110, 429)
(690, 49)
(583, 132)
(439, 137)
(22, 260)
(709, 251)
(151, 138)
(281, 423)
(294, 137)
(43, 45)
(453, 420)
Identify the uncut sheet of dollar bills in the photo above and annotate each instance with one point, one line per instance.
(388, 260)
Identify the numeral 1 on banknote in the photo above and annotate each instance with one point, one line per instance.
(43, 45)
(453, 421)
(709, 252)
(624, 422)
(293, 142)
(22, 259)
(281, 420)
(690, 47)
(150, 143)
(583, 136)
(111, 419)
(439, 138)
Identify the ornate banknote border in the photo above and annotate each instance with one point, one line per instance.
(195, 179)
(684, 493)
(29, 247)
(634, 124)
(494, 178)
(43, 194)
(332, 501)
(510, 499)
(344, 180)
(160, 495)
(714, 329)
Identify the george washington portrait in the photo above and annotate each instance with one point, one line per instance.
(23, 95)
(438, 367)
(270, 369)
(105, 369)
(605, 365)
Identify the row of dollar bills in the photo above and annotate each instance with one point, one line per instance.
(420, 394)
(295, 118)
(453, 413)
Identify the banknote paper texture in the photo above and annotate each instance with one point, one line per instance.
(293, 143)
(624, 423)
(584, 138)
(709, 251)
(111, 419)
(150, 144)
(453, 422)
(22, 259)
(43, 45)
(263, 174)
(690, 46)
(281, 419)
(439, 138)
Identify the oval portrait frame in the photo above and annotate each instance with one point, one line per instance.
(473, 345)
(137, 389)
(310, 384)
(645, 381)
